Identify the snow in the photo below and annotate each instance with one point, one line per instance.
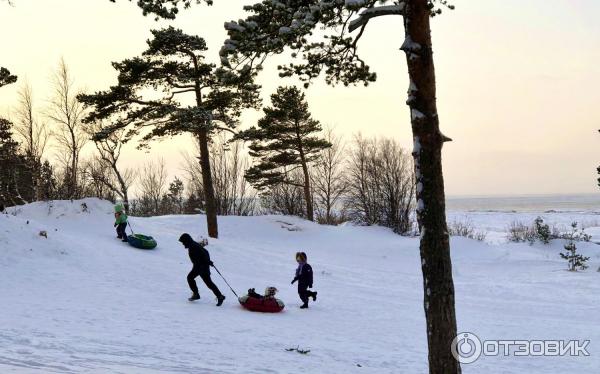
(398, 8)
(354, 3)
(80, 301)
(496, 223)
(416, 145)
(416, 114)
(409, 45)
(284, 30)
(420, 205)
(234, 26)
(412, 87)
(371, 12)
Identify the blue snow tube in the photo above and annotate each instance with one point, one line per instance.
(141, 241)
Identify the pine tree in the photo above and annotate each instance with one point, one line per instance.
(6, 77)
(175, 195)
(174, 65)
(167, 9)
(285, 140)
(47, 182)
(575, 260)
(16, 177)
(8, 149)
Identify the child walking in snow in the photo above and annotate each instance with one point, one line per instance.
(120, 222)
(304, 276)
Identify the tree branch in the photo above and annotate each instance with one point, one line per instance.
(369, 13)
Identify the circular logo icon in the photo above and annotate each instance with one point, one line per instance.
(466, 348)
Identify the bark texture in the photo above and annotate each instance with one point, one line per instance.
(438, 285)
(209, 192)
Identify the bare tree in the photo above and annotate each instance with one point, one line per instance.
(329, 184)
(153, 183)
(233, 194)
(96, 179)
(67, 112)
(398, 185)
(381, 184)
(117, 179)
(32, 130)
(285, 198)
(33, 134)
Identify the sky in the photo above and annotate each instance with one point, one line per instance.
(517, 82)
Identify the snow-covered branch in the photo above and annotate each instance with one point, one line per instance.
(369, 13)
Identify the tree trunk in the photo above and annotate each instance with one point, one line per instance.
(436, 263)
(73, 181)
(307, 195)
(209, 192)
(123, 190)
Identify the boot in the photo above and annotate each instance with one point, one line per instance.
(220, 300)
(304, 306)
(195, 296)
(314, 296)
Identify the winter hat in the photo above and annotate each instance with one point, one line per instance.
(118, 208)
(185, 239)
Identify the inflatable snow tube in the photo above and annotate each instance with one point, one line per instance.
(141, 241)
(265, 305)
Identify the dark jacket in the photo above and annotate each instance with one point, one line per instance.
(198, 254)
(304, 276)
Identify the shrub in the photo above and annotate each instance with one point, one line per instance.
(519, 232)
(538, 231)
(465, 229)
(575, 235)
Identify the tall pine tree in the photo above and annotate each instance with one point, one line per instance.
(285, 140)
(173, 67)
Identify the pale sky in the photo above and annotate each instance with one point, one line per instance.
(517, 81)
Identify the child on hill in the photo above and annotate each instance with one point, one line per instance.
(304, 276)
(120, 222)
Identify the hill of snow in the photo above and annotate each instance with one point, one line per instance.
(80, 301)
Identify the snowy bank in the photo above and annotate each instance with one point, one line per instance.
(80, 301)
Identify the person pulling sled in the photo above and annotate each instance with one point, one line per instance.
(304, 277)
(201, 267)
(120, 222)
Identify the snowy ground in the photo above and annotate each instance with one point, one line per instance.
(80, 301)
(496, 224)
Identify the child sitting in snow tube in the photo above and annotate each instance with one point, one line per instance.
(259, 303)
